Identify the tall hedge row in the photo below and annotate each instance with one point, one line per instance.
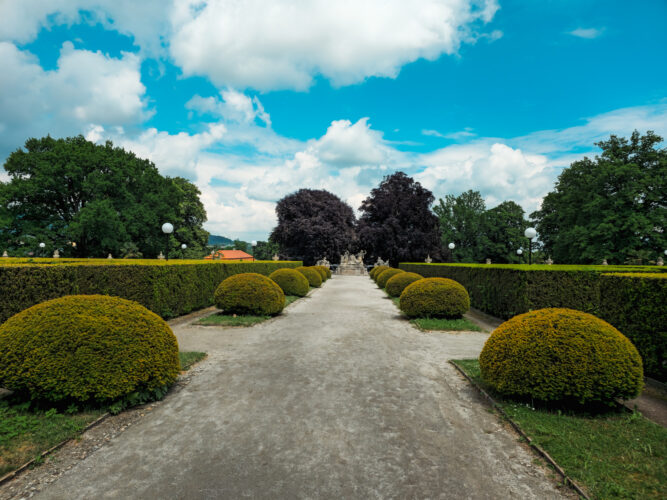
(630, 302)
(168, 289)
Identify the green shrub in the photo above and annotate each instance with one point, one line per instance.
(249, 293)
(376, 271)
(86, 348)
(561, 355)
(434, 298)
(397, 283)
(635, 304)
(168, 289)
(382, 278)
(312, 275)
(323, 272)
(291, 282)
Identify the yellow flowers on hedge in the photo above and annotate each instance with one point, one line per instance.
(325, 271)
(397, 283)
(434, 298)
(560, 354)
(382, 278)
(313, 276)
(249, 293)
(86, 348)
(291, 282)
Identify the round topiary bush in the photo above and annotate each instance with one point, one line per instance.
(327, 271)
(376, 271)
(313, 276)
(434, 298)
(86, 348)
(561, 355)
(249, 293)
(291, 282)
(384, 276)
(322, 271)
(397, 283)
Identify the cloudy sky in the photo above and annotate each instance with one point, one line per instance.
(253, 99)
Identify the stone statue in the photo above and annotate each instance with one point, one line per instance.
(275, 257)
(360, 257)
(548, 262)
(380, 262)
(323, 262)
(56, 254)
(352, 265)
(110, 257)
(161, 256)
(604, 262)
(659, 262)
(488, 261)
(4, 254)
(428, 259)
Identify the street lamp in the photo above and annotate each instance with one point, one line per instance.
(167, 229)
(519, 252)
(254, 244)
(41, 248)
(183, 247)
(452, 246)
(530, 233)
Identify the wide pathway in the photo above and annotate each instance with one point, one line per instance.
(337, 398)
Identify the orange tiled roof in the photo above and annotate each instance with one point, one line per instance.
(230, 255)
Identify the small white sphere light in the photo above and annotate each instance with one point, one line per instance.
(519, 252)
(184, 246)
(42, 245)
(253, 243)
(167, 228)
(451, 246)
(530, 233)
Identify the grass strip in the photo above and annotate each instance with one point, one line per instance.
(614, 454)
(190, 358)
(222, 319)
(452, 325)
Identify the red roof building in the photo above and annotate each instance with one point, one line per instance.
(230, 255)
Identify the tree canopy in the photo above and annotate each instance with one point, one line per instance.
(613, 207)
(313, 224)
(478, 233)
(397, 223)
(88, 200)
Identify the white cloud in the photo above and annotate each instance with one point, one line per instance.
(271, 45)
(233, 106)
(588, 33)
(87, 87)
(466, 133)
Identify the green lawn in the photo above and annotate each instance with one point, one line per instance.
(222, 319)
(614, 454)
(461, 324)
(25, 433)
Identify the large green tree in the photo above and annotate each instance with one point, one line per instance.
(88, 200)
(396, 222)
(461, 223)
(613, 206)
(502, 233)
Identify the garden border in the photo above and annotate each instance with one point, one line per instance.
(542, 453)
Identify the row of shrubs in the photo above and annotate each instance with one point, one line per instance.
(98, 349)
(168, 289)
(549, 355)
(634, 302)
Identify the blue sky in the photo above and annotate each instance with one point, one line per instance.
(256, 99)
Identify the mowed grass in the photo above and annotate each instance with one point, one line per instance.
(614, 454)
(222, 319)
(25, 433)
(442, 324)
(452, 325)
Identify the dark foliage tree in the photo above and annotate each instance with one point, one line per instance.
(397, 223)
(612, 207)
(89, 200)
(313, 224)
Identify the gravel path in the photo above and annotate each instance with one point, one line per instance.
(339, 397)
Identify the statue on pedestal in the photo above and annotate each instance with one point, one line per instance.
(56, 254)
(488, 261)
(428, 259)
(4, 254)
(110, 257)
(275, 257)
(161, 256)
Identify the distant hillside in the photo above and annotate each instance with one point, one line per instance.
(218, 240)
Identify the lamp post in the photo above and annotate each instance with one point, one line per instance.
(41, 248)
(254, 244)
(519, 252)
(451, 247)
(167, 229)
(530, 233)
(183, 247)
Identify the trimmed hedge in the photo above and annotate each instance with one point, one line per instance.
(167, 288)
(291, 282)
(312, 275)
(636, 304)
(561, 355)
(322, 271)
(508, 290)
(434, 298)
(384, 276)
(250, 293)
(86, 348)
(397, 283)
